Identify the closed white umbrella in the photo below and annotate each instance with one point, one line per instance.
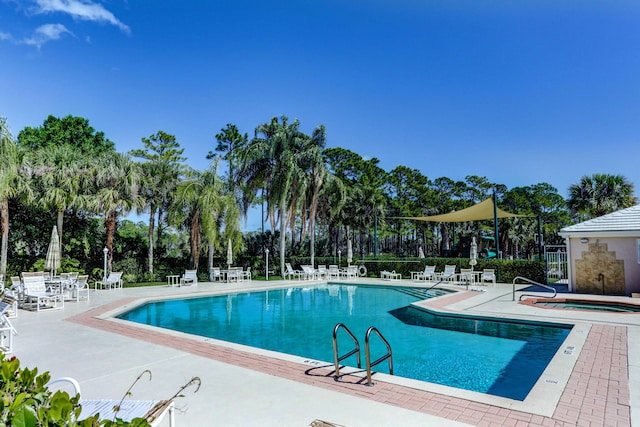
(229, 254)
(420, 252)
(52, 262)
(349, 252)
(474, 253)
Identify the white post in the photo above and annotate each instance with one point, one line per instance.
(266, 273)
(339, 254)
(106, 252)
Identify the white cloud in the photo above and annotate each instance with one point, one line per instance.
(46, 33)
(5, 36)
(82, 9)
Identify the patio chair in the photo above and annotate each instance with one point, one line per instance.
(290, 272)
(80, 287)
(448, 275)
(36, 295)
(466, 276)
(309, 272)
(246, 275)
(323, 272)
(488, 275)
(429, 273)
(114, 280)
(216, 274)
(153, 411)
(334, 272)
(7, 331)
(351, 272)
(190, 277)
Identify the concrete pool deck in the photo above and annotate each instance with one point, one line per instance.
(593, 383)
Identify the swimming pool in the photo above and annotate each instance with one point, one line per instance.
(502, 358)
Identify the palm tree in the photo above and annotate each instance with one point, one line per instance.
(274, 159)
(61, 169)
(116, 181)
(13, 182)
(202, 205)
(599, 195)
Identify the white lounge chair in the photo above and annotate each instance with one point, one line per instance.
(488, 275)
(290, 272)
(153, 411)
(80, 287)
(36, 295)
(466, 276)
(334, 272)
(114, 280)
(428, 274)
(190, 277)
(448, 275)
(322, 271)
(7, 331)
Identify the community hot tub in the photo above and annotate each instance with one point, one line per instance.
(584, 305)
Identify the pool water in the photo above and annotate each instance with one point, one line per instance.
(495, 357)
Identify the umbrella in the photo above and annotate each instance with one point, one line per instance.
(474, 253)
(52, 262)
(229, 254)
(420, 252)
(349, 252)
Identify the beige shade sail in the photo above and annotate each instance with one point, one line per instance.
(479, 212)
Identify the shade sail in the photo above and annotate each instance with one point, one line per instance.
(479, 212)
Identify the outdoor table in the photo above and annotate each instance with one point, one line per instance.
(173, 280)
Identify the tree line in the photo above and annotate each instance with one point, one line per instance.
(316, 200)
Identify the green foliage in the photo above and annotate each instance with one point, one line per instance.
(69, 130)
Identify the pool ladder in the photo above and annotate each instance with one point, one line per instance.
(356, 350)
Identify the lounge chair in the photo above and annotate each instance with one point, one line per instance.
(113, 281)
(7, 331)
(466, 276)
(448, 275)
(290, 272)
(216, 274)
(309, 272)
(488, 275)
(80, 287)
(428, 274)
(334, 272)
(322, 271)
(351, 272)
(190, 277)
(153, 411)
(36, 295)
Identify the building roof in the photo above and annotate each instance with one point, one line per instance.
(625, 222)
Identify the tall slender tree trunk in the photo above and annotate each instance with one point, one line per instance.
(283, 234)
(210, 262)
(111, 230)
(4, 225)
(152, 218)
(194, 240)
(159, 231)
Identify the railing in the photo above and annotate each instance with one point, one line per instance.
(337, 359)
(368, 354)
(555, 292)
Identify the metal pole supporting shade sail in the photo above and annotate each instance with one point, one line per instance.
(52, 262)
(229, 254)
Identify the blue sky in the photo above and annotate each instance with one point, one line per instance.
(521, 92)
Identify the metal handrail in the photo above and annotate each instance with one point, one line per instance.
(367, 353)
(356, 350)
(533, 282)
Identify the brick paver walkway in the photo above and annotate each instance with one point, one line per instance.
(597, 393)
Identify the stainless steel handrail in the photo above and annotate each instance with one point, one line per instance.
(555, 292)
(367, 353)
(337, 359)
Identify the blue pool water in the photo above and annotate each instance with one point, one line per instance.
(483, 355)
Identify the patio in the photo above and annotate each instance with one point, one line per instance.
(253, 388)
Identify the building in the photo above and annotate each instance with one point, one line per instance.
(604, 253)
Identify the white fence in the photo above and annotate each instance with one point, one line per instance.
(557, 266)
